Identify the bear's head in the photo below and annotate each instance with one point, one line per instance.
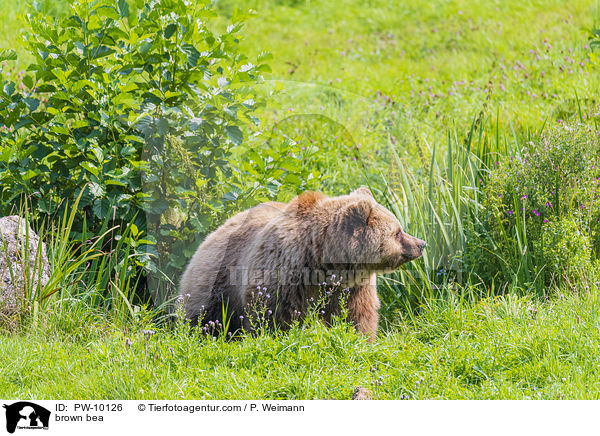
(355, 232)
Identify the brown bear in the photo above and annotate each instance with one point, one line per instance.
(283, 257)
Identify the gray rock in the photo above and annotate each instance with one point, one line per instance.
(18, 257)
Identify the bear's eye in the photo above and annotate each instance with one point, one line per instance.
(399, 236)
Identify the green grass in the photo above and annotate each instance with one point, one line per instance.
(11, 26)
(498, 348)
(434, 65)
(397, 79)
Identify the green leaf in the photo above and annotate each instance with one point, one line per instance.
(101, 207)
(44, 205)
(123, 8)
(234, 134)
(114, 182)
(264, 57)
(101, 51)
(163, 126)
(264, 68)
(193, 54)
(46, 87)
(28, 81)
(145, 47)
(293, 180)
(97, 190)
(32, 103)
(90, 167)
(124, 98)
(28, 174)
(238, 15)
(78, 124)
(159, 206)
(222, 82)
(170, 30)
(8, 55)
(9, 88)
(61, 130)
(290, 166)
(108, 12)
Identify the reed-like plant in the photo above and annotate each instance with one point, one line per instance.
(437, 207)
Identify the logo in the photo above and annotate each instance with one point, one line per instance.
(26, 415)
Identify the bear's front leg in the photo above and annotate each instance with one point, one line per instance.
(363, 310)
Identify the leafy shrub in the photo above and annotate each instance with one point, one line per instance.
(303, 152)
(567, 249)
(550, 183)
(139, 105)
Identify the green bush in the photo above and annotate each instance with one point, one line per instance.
(567, 249)
(549, 183)
(139, 105)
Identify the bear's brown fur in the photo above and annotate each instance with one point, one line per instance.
(280, 254)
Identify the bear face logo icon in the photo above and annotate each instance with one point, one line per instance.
(25, 414)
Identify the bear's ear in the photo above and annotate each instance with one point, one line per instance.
(356, 215)
(305, 201)
(362, 191)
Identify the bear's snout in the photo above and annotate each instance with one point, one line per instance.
(412, 247)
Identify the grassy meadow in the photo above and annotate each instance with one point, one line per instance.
(509, 348)
(458, 115)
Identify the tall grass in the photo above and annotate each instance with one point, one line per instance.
(437, 207)
(89, 273)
